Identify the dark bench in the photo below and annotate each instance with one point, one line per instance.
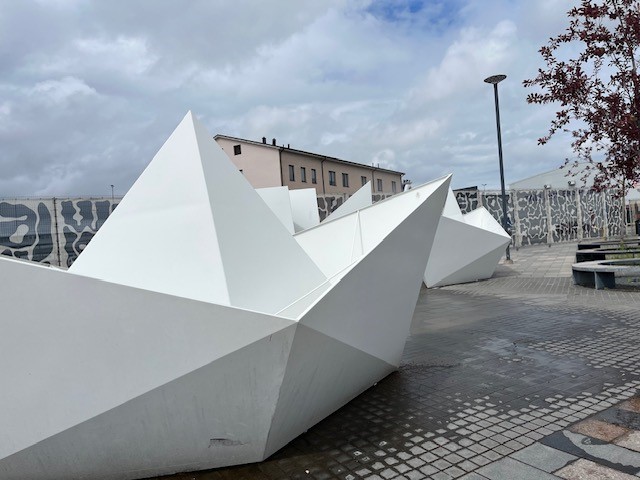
(602, 274)
(606, 254)
(599, 243)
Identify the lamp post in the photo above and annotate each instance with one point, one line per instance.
(112, 196)
(494, 80)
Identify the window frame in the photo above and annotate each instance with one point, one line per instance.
(303, 174)
(332, 178)
(345, 179)
(237, 149)
(292, 173)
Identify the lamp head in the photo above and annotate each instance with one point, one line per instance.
(495, 79)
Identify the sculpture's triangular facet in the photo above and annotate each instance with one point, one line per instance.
(92, 355)
(211, 237)
(451, 207)
(357, 201)
(466, 248)
(279, 201)
(304, 208)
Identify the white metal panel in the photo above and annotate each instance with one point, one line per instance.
(322, 375)
(279, 201)
(217, 415)
(68, 361)
(465, 251)
(481, 218)
(162, 237)
(304, 208)
(334, 245)
(479, 269)
(362, 198)
(451, 207)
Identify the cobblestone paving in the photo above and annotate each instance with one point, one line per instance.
(490, 371)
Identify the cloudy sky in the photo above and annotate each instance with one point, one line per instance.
(89, 90)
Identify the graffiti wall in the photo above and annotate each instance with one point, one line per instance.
(52, 231)
(549, 216)
(328, 203)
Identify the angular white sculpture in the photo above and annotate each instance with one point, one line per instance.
(211, 344)
(360, 199)
(467, 247)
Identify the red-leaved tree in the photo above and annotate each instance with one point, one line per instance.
(598, 90)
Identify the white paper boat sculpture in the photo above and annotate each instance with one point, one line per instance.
(194, 331)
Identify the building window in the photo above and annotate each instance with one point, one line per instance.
(237, 150)
(393, 187)
(345, 179)
(379, 181)
(332, 178)
(363, 180)
(314, 176)
(292, 173)
(303, 174)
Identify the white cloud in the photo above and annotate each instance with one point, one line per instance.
(100, 86)
(60, 91)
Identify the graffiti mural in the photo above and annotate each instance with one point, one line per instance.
(26, 231)
(328, 203)
(564, 215)
(532, 222)
(544, 216)
(81, 220)
(52, 231)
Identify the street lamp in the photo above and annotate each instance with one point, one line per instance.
(494, 80)
(112, 196)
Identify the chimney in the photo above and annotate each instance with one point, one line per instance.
(273, 142)
(264, 140)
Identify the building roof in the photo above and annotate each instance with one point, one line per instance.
(311, 154)
(559, 178)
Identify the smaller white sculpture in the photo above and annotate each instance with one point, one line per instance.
(467, 247)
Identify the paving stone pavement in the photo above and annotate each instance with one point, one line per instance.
(496, 378)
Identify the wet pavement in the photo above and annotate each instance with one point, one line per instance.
(497, 377)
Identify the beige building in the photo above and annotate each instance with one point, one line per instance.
(268, 165)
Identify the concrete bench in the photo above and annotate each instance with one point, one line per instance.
(602, 274)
